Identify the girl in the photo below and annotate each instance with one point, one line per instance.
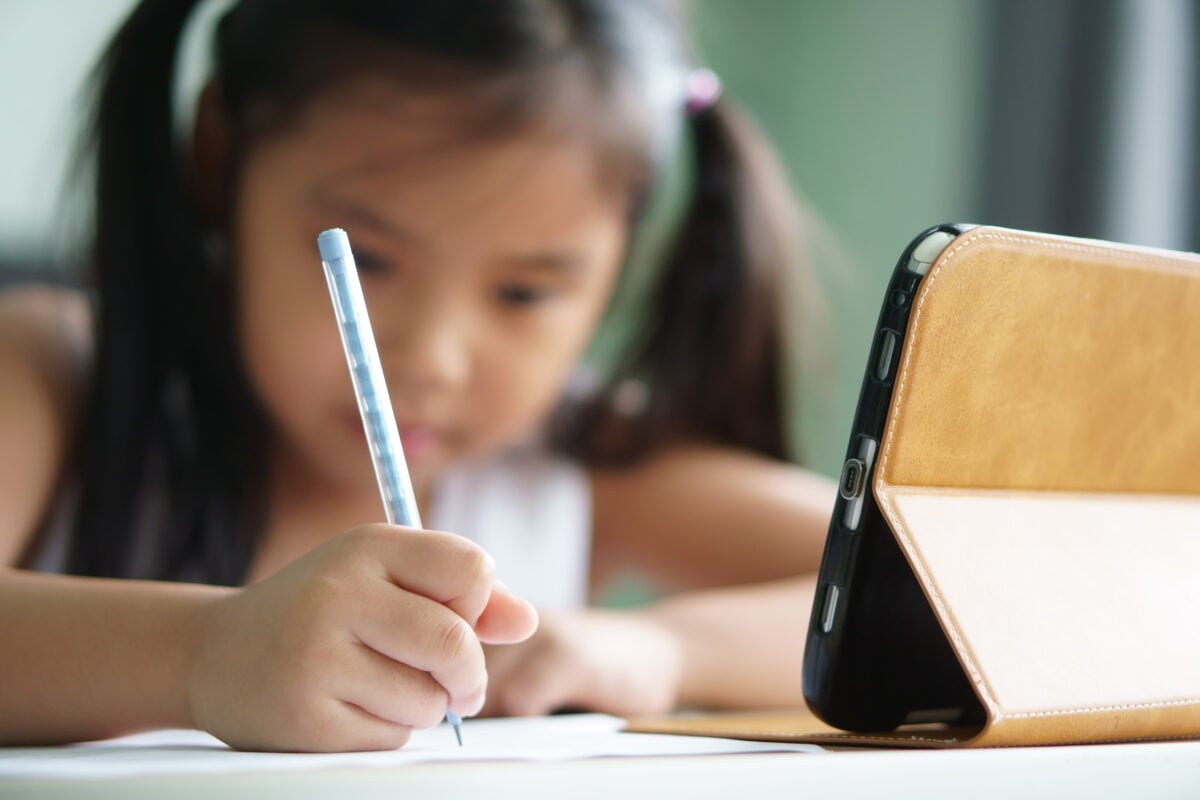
(189, 425)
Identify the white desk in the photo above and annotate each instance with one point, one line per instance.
(1154, 770)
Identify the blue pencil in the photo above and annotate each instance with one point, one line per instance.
(379, 423)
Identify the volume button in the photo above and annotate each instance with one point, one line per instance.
(829, 609)
(887, 349)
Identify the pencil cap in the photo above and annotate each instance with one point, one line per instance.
(333, 244)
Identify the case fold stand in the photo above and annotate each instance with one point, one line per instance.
(1040, 470)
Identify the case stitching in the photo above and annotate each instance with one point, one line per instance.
(900, 740)
(1105, 709)
(1139, 259)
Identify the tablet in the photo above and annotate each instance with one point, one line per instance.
(1015, 547)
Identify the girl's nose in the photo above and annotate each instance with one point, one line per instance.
(423, 349)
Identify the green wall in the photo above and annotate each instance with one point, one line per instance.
(875, 107)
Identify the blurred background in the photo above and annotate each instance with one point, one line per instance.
(1067, 116)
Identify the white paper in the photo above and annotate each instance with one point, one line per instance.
(520, 739)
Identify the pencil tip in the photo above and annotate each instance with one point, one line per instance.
(455, 723)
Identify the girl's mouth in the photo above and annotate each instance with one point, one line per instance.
(418, 441)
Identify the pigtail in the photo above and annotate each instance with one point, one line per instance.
(710, 354)
(154, 350)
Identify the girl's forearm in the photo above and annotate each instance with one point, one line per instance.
(88, 658)
(742, 647)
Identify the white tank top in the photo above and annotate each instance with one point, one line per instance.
(532, 511)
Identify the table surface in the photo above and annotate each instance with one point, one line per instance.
(1147, 770)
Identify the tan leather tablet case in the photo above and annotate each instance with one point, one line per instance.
(1041, 471)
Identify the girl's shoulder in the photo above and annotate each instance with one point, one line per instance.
(45, 338)
(44, 363)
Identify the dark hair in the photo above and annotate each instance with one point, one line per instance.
(709, 357)
(172, 441)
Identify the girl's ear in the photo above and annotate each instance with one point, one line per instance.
(210, 162)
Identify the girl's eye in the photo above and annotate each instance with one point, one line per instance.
(518, 295)
(370, 262)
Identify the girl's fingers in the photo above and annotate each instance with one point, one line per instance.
(360, 730)
(330, 726)
(455, 572)
(506, 619)
(393, 692)
(427, 636)
(444, 567)
(422, 621)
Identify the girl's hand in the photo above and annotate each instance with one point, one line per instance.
(623, 663)
(353, 646)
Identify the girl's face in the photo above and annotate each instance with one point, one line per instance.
(485, 267)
